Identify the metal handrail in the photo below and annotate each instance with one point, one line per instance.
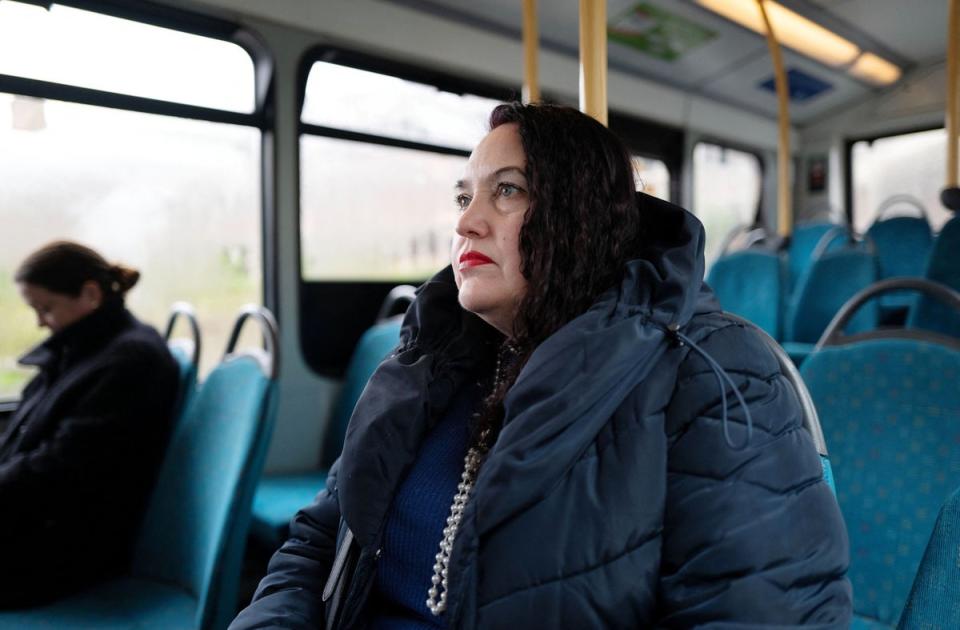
(270, 360)
(833, 335)
(185, 310)
(399, 293)
(893, 201)
(827, 239)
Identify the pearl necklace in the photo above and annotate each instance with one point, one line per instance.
(437, 593)
(438, 586)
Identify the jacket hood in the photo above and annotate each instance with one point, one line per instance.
(667, 278)
(569, 388)
(576, 379)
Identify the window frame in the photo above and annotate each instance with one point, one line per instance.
(262, 118)
(758, 216)
(848, 143)
(408, 72)
(653, 140)
(162, 17)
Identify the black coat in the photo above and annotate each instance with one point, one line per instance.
(612, 498)
(80, 454)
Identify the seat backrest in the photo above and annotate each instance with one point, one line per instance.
(943, 266)
(186, 352)
(197, 520)
(934, 600)
(749, 283)
(807, 241)
(832, 280)
(902, 245)
(890, 411)
(373, 347)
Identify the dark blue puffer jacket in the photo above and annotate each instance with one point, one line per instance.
(612, 498)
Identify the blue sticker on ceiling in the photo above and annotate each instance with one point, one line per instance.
(802, 86)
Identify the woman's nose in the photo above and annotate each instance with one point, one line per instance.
(472, 222)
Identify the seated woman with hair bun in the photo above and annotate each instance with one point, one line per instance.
(80, 454)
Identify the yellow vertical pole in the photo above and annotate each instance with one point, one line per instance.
(953, 98)
(784, 190)
(531, 44)
(593, 58)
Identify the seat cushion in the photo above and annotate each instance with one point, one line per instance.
(277, 500)
(124, 604)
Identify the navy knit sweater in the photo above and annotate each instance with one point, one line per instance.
(416, 520)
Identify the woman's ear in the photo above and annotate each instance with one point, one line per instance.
(91, 294)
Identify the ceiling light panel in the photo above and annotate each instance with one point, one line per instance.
(792, 29)
(874, 69)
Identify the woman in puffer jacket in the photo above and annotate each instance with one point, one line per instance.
(571, 434)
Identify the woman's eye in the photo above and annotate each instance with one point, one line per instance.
(507, 190)
(462, 201)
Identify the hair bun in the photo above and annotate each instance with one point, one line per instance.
(124, 278)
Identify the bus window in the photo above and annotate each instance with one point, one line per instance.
(379, 156)
(374, 212)
(726, 191)
(651, 176)
(368, 210)
(177, 198)
(389, 106)
(76, 47)
(911, 163)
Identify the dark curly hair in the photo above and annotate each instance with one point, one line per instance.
(581, 228)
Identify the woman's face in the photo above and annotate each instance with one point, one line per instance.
(492, 199)
(56, 311)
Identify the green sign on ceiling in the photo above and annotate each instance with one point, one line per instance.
(657, 32)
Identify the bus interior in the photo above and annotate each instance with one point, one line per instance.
(300, 156)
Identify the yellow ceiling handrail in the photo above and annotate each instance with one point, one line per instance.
(953, 102)
(593, 59)
(950, 195)
(784, 190)
(531, 44)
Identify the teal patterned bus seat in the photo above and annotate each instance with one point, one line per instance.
(934, 600)
(279, 497)
(832, 280)
(902, 245)
(890, 411)
(943, 266)
(186, 352)
(749, 283)
(807, 243)
(187, 562)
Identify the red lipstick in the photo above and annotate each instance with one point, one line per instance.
(473, 259)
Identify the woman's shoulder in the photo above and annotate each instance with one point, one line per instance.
(728, 353)
(735, 346)
(138, 342)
